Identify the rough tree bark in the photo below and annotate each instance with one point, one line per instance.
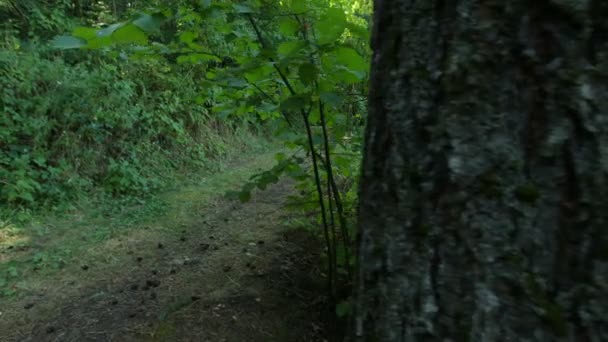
(484, 193)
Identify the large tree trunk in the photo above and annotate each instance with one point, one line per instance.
(484, 194)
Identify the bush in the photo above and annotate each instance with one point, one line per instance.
(69, 128)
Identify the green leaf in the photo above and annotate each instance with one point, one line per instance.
(299, 6)
(149, 23)
(40, 161)
(205, 3)
(27, 196)
(86, 33)
(107, 32)
(244, 196)
(331, 98)
(130, 34)
(259, 74)
(341, 162)
(290, 48)
(348, 76)
(351, 59)
(99, 42)
(288, 27)
(308, 73)
(361, 32)
(68, 42)
(330, 26)
(314, 117)
(188, 36)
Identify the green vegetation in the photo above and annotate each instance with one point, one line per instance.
(109, 107)
(74, 129)
(87, 235)
(77, 123)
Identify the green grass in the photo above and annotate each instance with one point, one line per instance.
(60, 245)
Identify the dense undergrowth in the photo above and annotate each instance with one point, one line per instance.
(75, 123)
(131, 93)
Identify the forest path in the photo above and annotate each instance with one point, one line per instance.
(208, 269)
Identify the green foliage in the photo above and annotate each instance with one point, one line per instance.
(70, 128)
(296, 68)
(129, 32)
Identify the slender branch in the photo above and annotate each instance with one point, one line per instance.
(274, 65)
(336, 194)
(330, 252)
(329, 169)
(332, 219)
(265, 94)
(317, 177)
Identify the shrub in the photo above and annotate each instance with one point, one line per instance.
(68, 128)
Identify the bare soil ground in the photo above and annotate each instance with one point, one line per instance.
(214, 270)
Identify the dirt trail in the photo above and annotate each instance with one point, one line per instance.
(226, 272)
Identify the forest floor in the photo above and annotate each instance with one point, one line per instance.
(200, 267)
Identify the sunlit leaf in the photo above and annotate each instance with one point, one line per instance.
(299, 6)
(130, 34)
(288, 26)
(188, 36)
(351, 59)
(314, 117)
(99, 42)
(85, 32)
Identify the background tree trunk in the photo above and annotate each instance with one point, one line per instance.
(484, 196)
